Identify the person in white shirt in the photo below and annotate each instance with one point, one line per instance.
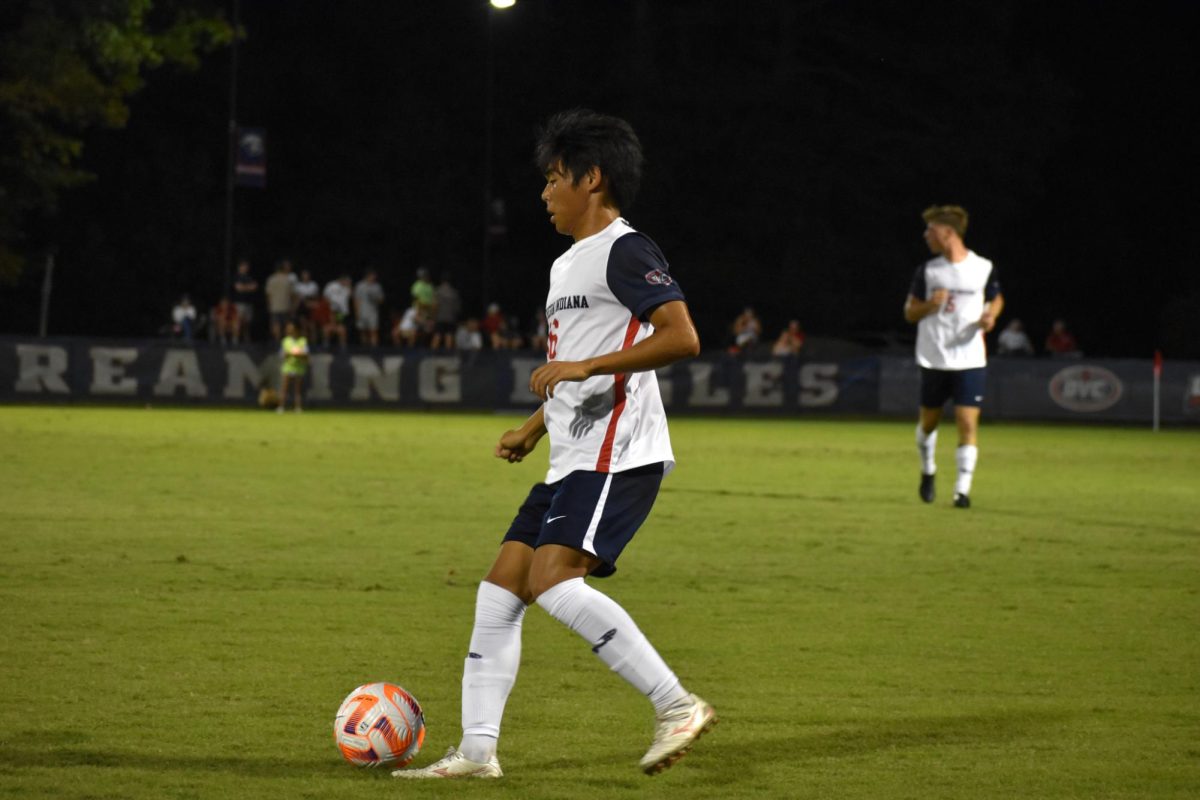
(615, 315)
(954, 300)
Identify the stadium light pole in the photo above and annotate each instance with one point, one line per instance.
(231, 149)
(488, 121)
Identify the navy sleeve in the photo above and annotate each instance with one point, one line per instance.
(639, 276)
(992, 288)
(917, 289)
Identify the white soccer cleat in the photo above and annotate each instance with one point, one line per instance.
(677, 730)
(454, 765)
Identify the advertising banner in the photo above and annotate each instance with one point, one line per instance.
(170, 372)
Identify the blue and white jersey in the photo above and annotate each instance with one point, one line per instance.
(952, 338)
(602, 292)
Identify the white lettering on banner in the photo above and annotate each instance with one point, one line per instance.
(1085, 388)
(41, 369)
(108, 370)
(438, 380)
(240, 370)
(764, 384)
(666, 386)
(703, 396)
(521, 369)
(368, 375)
(818, 385)
(180, 370)
(318, 372)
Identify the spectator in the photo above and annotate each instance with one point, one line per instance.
(1013, 341)
(537, 336)
(320, 317)
(305, 293)
(183, 319)
(746, 330)
(790, 341)
(469, 337)
(422, 291)
(368, 296)
(1060, 343)
(495, 328)
(225, 325)
(410, 328)
(279, 297)
(445, 319)
(338, 293)
(294, 349)
(245, 287)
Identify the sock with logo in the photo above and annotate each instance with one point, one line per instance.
(927, 449)
(490, 669)
(966, 455)
(615, 638)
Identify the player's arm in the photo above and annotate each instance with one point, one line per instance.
(916, 309)
(991, 312)
(514, 445)
(674, 338)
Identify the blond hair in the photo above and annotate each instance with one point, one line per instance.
(954, 216)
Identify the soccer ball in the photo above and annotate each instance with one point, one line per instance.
(379, 724)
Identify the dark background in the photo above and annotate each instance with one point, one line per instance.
(790, 149)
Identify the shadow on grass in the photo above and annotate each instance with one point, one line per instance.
(265, 767)
(725, 755)
(728, 755)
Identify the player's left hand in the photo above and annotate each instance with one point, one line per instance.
(546, 377)
(987, 321)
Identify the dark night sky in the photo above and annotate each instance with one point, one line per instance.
(790, 146)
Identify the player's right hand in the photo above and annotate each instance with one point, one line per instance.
(938, 297)
(515, 445)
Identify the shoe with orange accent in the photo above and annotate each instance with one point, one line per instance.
(677, 730)
(454, 765)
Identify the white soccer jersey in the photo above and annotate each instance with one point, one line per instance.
(602, 292)
(951, 338)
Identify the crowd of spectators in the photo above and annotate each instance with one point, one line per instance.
(745, 337)
(346, 312)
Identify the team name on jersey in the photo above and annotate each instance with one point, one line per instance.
(570, 301)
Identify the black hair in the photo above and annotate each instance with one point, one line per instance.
(581, 139)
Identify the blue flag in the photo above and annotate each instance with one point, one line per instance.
(250, 168)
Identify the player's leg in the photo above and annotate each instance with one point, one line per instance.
(968, 395)
(494, 653)
(596, 515)
(934, 393)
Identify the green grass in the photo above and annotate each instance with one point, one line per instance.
(186, 596)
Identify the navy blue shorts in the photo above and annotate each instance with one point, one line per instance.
(964, 386)
(596, 512)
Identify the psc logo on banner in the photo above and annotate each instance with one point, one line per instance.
(1086, 389)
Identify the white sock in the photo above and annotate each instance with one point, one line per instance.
(615, 638)
(966, 455)
(490, 669)
(927, 449)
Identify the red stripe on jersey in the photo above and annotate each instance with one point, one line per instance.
(605, 461)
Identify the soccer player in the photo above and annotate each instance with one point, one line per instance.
(615, 314)
(954, 300)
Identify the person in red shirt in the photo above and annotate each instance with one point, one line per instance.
(1061, 342)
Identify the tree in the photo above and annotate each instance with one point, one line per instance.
(67, 66)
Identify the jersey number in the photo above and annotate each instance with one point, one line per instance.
(552, 340)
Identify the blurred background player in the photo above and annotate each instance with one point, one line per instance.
(615, 315)
(954, 300)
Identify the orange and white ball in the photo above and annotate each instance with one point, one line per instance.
(379, 724)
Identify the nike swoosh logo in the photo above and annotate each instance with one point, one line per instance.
(554, 518)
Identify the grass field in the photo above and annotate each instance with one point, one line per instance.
(186, 596)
